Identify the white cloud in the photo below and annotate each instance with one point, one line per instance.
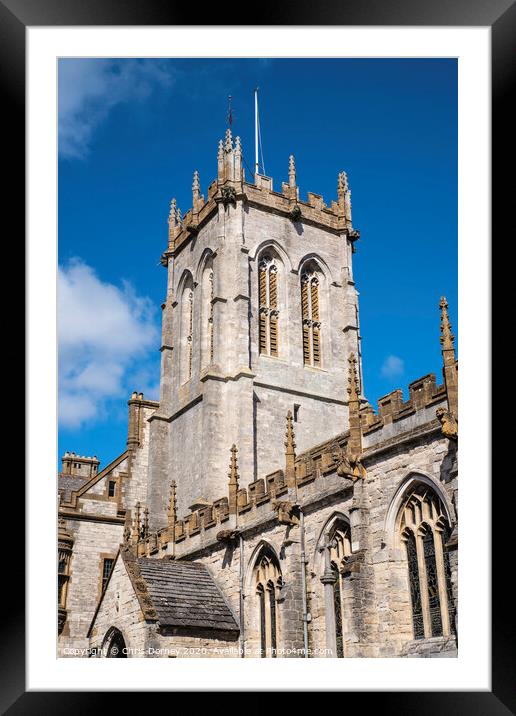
(105, 333)
(90, 88)
(392, 366)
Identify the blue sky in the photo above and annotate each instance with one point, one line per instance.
(131, 133)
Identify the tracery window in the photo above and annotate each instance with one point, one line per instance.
(340, 548)
(268, 585)
(207, 315)
(424, 528)
(64, 557)
(311, 318)
(210, 318)
(269, 311)
(187, 330)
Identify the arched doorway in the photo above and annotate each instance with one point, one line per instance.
(114, 645)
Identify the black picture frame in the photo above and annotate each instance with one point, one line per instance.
(500, 16)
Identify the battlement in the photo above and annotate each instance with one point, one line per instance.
(313, 471)
(231, 185)
(423, 393)
(79, 465)
(254, 503)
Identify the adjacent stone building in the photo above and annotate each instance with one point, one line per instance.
(262, 508)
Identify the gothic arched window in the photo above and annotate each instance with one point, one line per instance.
(268, 583)
(186, 330)
(311, 317)
(65, 546)
(207, 315)
(269, 310)
(423, 529)
(340, 548)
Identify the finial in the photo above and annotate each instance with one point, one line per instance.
(172, 503)
(233, 466)
(290, 443)
(127, 531)
(220, 153)
(290, 454)
(353, 383)
(233, 482)
(196, 187)
(229, 141)
(136, 523)
(291, 171)
(342, 183)
(173, 211)
(447, 338)
(238, 145)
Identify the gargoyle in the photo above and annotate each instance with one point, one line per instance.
(228, 536)
(449, 424)
(348, 465)
(285, 511)
(295, 213)
(228, 195)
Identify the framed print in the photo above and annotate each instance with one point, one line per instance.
(254, 256)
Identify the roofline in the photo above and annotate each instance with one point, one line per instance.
(101, 598)
(96, 478)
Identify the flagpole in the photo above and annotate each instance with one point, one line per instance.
(230, 112)
(256, 166)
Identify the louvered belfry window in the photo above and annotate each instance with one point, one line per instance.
(311, 319)
(268, 312)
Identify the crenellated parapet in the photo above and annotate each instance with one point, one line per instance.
(273, 497)
(331, 465)
(338, 463)
(423, 393)
(79, 465)
(231, 185)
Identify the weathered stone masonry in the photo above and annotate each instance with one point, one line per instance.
(334, 530)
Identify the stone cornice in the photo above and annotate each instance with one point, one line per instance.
(91, 517)
(303, 393)
(313, 212)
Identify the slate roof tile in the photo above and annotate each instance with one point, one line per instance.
(185, 594)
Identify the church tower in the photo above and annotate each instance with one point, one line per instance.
(260, 316)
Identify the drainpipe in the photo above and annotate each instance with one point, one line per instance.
(303, 582)
(241, 615)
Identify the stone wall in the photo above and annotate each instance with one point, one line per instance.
(93, 541)
(377, 617)
(96, 524)
(120, 609)
(242, 397)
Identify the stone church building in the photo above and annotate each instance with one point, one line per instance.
(261, 507)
